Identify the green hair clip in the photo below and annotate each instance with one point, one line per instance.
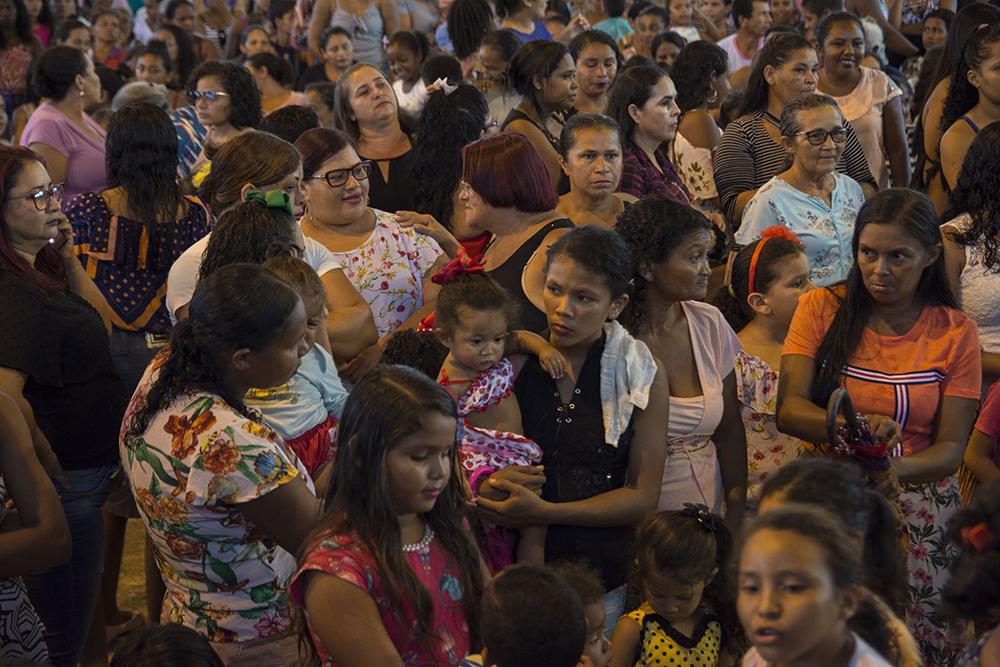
(270, 199)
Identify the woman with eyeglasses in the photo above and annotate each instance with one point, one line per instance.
(262, 161)
(389, 265)
(810, 197)
(226, 100)
(366, 109)
(69, 141)
(56, 365)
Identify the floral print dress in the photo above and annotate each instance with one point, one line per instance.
(196, 461)
(767, 448)
(388, 270)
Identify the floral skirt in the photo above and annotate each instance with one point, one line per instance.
(926, 509)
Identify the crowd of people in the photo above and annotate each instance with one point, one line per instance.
(504, 333)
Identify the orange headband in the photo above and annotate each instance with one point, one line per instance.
(776, 231)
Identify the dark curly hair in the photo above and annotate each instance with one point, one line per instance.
(422, 350)
(900, 207)
(475, 291)
(692, 73)
(731, 299)
(962, 95)
(450, 122)
(974, 587)
(653, 227)
(238, 306)
(975, 193)
(244, 97)
(469, 21)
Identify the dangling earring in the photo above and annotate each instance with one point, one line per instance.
(714, 97)
(82, 92)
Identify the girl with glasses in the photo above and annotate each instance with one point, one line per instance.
(810, 197)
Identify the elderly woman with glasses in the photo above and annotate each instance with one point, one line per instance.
(389, 265)
(810, 197)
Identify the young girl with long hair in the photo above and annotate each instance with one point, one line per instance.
(799, 577)
(766, 280)
(840, 488)
(392, 545)
(687, 615)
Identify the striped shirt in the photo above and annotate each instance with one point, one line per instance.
(747, 158)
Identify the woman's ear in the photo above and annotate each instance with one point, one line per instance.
(538, 82)
(634, 113)
(646, 272)
(850, 599)
(617, 306)
(247, 187)
(769, 74)
(788, 143)
(562, 165)
(240, 359)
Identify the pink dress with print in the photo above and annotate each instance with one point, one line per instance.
(345, 557)
(484, 451)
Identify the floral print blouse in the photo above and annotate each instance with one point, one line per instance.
(196, 461)
(388, 270)
(344, 556)
(767, 448)
(825, 229)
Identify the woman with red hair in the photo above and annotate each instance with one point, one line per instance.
(55, 363)
(507, 191)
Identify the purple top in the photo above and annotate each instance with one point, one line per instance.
(85, 170)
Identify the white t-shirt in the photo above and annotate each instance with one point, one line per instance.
(863, 656)
(183, 276)
(737, 60)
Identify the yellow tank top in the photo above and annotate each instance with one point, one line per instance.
(662, 644)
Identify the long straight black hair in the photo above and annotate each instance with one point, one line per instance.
(913, 212)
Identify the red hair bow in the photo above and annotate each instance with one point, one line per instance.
(780, 232)
(461, 265)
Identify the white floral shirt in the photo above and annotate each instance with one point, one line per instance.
(825, 229)
(388, 270)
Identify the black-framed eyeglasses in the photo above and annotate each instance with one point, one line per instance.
(43, 196)
(337, 177)
(208, 95)
(818, 137)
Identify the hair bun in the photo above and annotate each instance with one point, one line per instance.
(780, 232)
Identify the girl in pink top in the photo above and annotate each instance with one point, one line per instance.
(392, 547)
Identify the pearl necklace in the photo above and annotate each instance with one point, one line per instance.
(423, 544)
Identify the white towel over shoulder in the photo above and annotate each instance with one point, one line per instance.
(627, 372)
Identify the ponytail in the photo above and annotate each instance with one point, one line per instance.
(885, 563)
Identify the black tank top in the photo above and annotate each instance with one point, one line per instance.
(508, 274)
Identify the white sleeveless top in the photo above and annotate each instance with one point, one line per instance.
(979, 291)
(694, 164)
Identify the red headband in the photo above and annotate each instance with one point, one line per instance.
(776, 231)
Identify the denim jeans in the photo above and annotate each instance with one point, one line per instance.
(65, 596)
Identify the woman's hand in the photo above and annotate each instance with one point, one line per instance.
(530, 477)
(885, 430)
(428, 226)
(520, 508)
(362, 363)
(64, 241)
